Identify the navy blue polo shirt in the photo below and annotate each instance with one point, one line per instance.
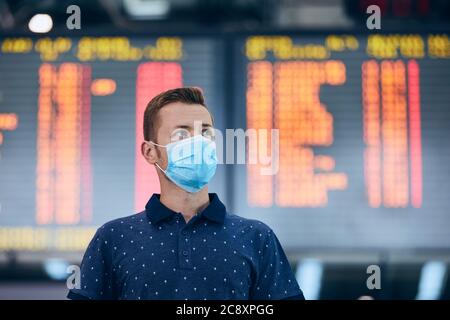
(155, 254)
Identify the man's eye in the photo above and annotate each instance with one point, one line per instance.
(179, 134)
(208, 133)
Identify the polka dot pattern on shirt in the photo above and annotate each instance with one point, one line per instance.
(155, 254)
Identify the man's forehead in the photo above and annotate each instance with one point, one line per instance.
(181, 115)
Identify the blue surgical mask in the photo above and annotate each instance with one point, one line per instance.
(192, 162)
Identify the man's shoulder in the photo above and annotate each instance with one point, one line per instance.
(247, 223)
(124, 222)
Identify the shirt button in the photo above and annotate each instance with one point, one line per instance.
(184, 233)
(185, 253)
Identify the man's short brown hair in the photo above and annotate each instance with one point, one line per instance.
(188, 95)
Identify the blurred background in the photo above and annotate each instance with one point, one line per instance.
(363, 118)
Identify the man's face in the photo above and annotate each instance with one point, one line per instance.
(176, 121)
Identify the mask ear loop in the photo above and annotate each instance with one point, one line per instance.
(159, 145)
(156, 144)
(156, 164)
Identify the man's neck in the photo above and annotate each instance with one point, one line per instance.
(188, 204)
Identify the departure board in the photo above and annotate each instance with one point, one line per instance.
(347, 134)
(361, 127)
(71, 113)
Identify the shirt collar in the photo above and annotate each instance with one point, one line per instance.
(156, 211)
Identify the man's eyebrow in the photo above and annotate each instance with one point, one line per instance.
(184, 126)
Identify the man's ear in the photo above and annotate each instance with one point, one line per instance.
(149, 152)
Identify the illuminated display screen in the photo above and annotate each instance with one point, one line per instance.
(363, 137)
(71, 112)
(361, 124)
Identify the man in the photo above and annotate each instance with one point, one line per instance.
(184, 245)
